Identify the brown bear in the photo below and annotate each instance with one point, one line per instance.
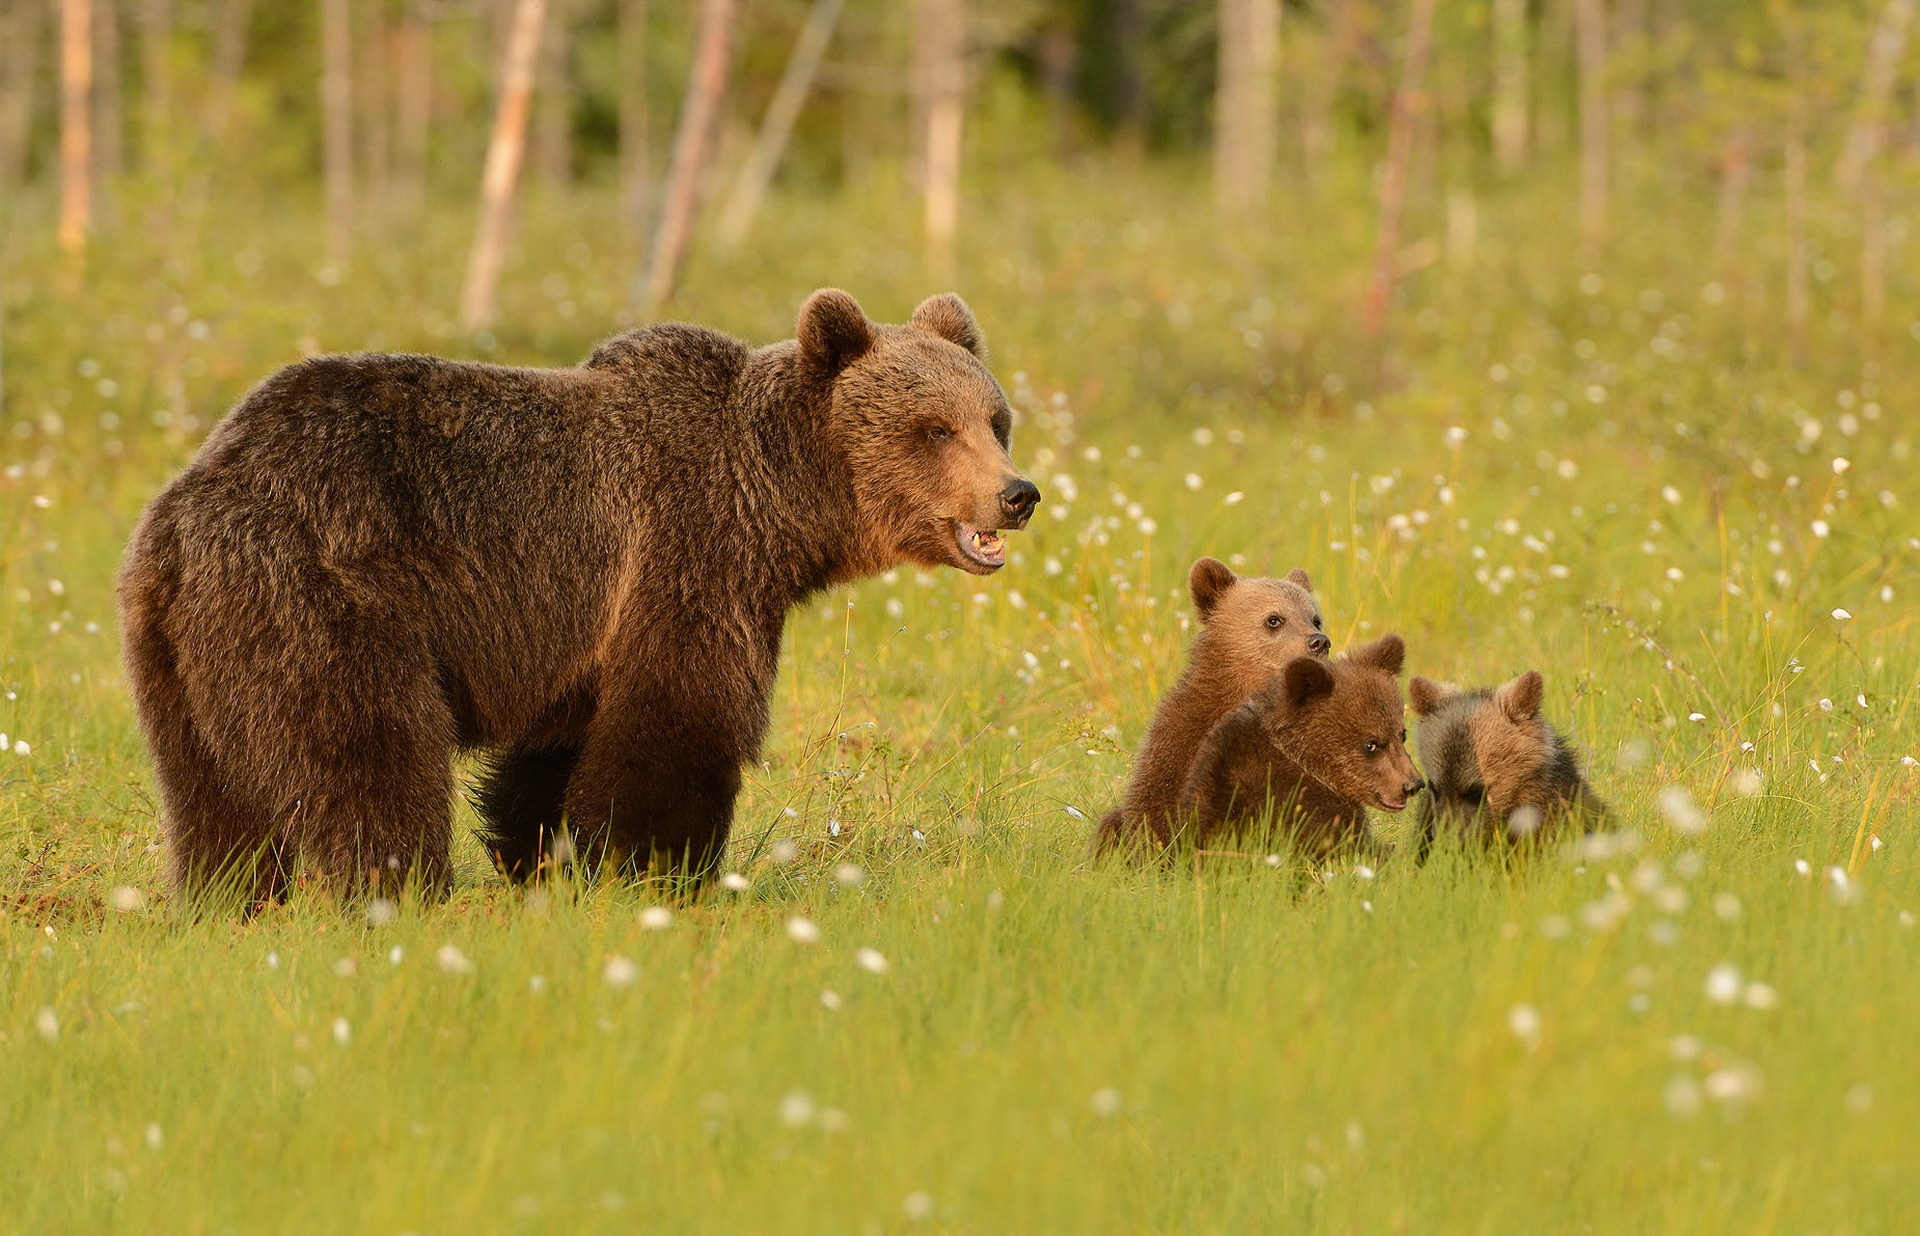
(1311, 751)
(377, 561)
(1250, 628)
(1495, 767)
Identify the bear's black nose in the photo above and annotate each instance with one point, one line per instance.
(1413, 787)
(1017, 501)
(1319, 645)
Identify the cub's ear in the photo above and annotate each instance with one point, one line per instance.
(1299, 576)
(833, 330)
(1520, 699)
(1306, 679)
(1207, 582)
(1427, 695)
(947, 316)
(1389, 653)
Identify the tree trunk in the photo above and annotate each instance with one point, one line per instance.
(1876, 89)
(553, 108)
(634, 170)
(229, 57)
(1246, 103)
(412, 105)
(109, 121)
(156, 72)
(1393, 182)
(20, 62)
(76, 124)
(750, 186)
(699, 122)
(1630, 44)
(1322, 86)
(1590, 45)
(940, 69)
(1736, 172)
(1510, 56)
(502, 170)
(373, 121)
(336, 123)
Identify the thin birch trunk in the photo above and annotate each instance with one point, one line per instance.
(1246, 103)
(940, 33)
(750, 186)
(1510, 57)
(76, 125)
(1323, 85)
(20, 62)
(1736, 173)
(109, 119)
(229, 57)
(1876, 88)
(692, 142)
(156, 87)
(552, 153)
(1407, 99)
(635, 173)
(1630, 49)
(1590, 46)
(412, 106)
(502, 172)
(336, 123)
(373, 122)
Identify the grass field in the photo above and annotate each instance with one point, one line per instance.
(1621, 468)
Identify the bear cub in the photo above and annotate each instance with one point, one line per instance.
(1495, 767)
(1249, 629)
(1311, 751)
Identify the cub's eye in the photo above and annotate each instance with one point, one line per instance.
(939, 433)
(1316, 622)
(1473, 794)
(1372, 747)
(1275, 622)
(1403, 737)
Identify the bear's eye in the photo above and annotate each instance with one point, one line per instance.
(1316, 622)
(1372, 747)
(939, 433)
(1275, 622)
(1472, 795)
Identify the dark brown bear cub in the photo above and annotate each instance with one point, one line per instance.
(376, 561)
(1310, 752)
(1250, 628)
(1495, 767)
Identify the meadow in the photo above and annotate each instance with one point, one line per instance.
(919, 1007)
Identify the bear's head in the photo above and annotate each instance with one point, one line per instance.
(1490, 757)
(925, 430)
(1250, 626)
(1343, 722)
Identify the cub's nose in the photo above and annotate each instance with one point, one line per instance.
(1412, 787)
(1319, 645)
(1017, 501)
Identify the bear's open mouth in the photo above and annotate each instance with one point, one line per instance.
(987, 549)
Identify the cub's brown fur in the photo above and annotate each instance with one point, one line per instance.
(1311, 751)
(1250, 628)
(1494, 766)
(376, 561)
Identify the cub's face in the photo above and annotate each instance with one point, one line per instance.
(1345, 721)
(1254, 626)
(926, 431)
(1485, 753)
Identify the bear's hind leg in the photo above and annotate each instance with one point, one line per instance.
(521, 799)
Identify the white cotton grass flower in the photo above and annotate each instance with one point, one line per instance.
(1194, 481)
(802, 930)
(1734, 1083)
(1840, 885)
(47, 1022)
(1859, 1098)
(1723, 983)
(830, 1000)
(656, 918)
(342, 1031)
(797, 1109)
(156, 1137)
(1456, 436)
(785, 850)
(1748, 782)
(1233, 499)
(619, 972)
(1682, 813)
(734, 882)
(1760, 996)
(452, 960)
(1524, 1021)
(1821, 529)
(849, 875)
(1840, 465)
(346, 967)
(127, 899)
(1681, 1096)
(872, 960)
(1802, 868)
(918, 1206)
(396, 955)
(1106, 1102)
(1726, 906)
(20, 747)
(1696, 716)
(1841, 615)
(382, 911)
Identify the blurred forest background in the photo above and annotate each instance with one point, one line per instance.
(388, 119)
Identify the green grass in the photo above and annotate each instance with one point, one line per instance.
(1051, 1047)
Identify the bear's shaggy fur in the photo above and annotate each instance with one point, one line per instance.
(1310, 752)
(1250, 628)
(1495, 767)
(375, 561)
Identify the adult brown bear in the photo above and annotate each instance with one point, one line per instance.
(375, 561)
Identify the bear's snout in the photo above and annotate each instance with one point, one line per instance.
(1319, 645)
(1017, 501)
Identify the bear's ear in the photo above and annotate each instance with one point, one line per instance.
(1209, 578)
(1306, 679)
(1520, 699)
(833, 331)
(1298, 576)
(947, 316)
(1427, 695)
(1388, 653)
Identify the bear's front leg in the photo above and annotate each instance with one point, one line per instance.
(656, 782)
